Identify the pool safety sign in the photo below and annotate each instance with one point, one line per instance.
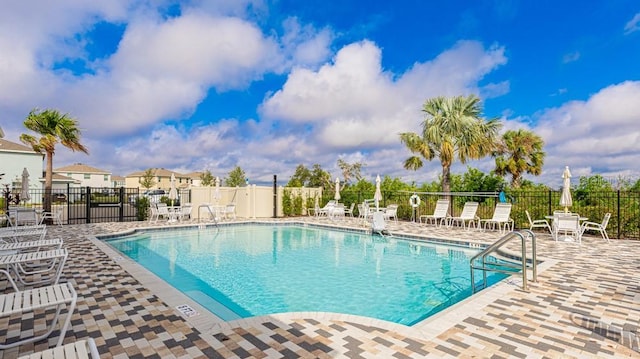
(186, 310)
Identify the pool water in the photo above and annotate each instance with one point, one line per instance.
(241, 271)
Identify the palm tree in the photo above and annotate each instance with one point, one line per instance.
(453, 129)
(519, 152)
(54, 127)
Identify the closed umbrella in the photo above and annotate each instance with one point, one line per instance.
(173, 192)
(24, 191)
(377, 197)
(216, 194)
(337, 196)
(565, 198)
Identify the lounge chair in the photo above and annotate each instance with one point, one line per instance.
(23, 233)
(7, 248)
(600, 227)
(538, 223)
(468, 216)
(439, 213)
(24, 265)
(82, 349)
(500, 219)
(54, 296)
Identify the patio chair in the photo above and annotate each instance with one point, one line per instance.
(82, 349)
(569, 225)
(54, 296)
(538, 223)
(500, 219)
(55, 216)
(185, 212)
(153, 213)
(439, 213)
(600, 227)
(349, 211)
(25, 265)
(26, 216)
(468, 216)
(230, 211)
(163, 211)
(391, 212)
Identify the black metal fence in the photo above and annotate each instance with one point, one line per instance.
(624, 206)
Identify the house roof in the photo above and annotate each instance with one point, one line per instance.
(158, 172)
(117, 178)
(194, 175)
(80, 168)
(8, 146)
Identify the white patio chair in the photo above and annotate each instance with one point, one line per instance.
(391, 212)
(230, 211)
(500, 219)
(153, 213)
(185, 212)
(55, 216)
(82, 349)
(468, 216)
(163, 211)
(25, 265)
(538, 223)
(439, 213)
(27, 216)
(326, 210)
(569, 225)
(349, 211)
(55, 296)
(599, 227)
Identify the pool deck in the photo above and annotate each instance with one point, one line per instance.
(585, 304)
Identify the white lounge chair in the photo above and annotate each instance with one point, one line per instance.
(349, 211)
(538, 223)
(439, 213)
(55, 296)
(23, 233)
(501, 218)
(599, 227)
(7, 248)
(185, 212)
(153, 212)
(24, 265)
(468, 216)
(82, 349)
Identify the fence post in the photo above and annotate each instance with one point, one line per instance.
(121, 206)
(88, 204)
(549, 202)
(618, 205)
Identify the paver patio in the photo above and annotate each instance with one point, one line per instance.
(586, 303)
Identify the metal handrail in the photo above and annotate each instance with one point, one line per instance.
(485, 267)
(211, 214)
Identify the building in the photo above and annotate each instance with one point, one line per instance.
(118, 181)
(14, 158)
(161, 179)
(86, 175)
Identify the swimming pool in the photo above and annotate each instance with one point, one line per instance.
(239, 271)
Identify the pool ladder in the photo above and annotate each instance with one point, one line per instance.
(492, 266)
(211, 215)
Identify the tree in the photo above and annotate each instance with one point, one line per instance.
(147, 180)
(236, 178)
(350, 171)
(319, 177)
(300, 177)
(453, 129)
(206, 179)
(519, 152)
(53, 127)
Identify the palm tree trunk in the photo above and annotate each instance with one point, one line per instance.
(48, 182)
(446, 185)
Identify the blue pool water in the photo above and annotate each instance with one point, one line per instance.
(248, 270)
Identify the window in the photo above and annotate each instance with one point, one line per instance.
(87, 176)
(106, 178)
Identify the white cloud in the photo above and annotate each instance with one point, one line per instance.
(353, 102)
(574, 56)
(633, 25)
(601, 132)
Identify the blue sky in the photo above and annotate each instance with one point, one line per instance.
(268, 85)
